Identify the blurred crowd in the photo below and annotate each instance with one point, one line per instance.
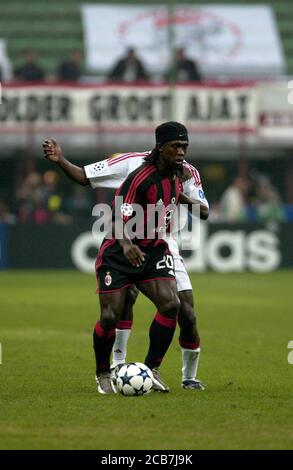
(249, 201)
(42, 198)
(128, 68)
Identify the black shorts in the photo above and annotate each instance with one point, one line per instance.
(114, 271)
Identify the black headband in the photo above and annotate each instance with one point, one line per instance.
(170, 131)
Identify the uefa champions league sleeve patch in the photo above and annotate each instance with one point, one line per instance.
(126, 209)
(99, 166)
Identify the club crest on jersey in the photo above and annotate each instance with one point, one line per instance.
(173, 200)
(108, 279)
(126, 209)
(168, 217)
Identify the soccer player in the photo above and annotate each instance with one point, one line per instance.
(110, 173)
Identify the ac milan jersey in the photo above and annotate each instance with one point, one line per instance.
(157, 195)
(111, 172)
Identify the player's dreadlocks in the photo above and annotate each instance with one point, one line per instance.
(152, 157)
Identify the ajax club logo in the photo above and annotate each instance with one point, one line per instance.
(209, 35)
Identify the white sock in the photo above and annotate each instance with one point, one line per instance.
(190, 360)
(120, 347)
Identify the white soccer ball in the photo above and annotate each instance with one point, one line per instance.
(134, 379)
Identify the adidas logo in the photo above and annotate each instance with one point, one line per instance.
(171, 272)
(160, 202)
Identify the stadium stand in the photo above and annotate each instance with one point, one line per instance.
(51, 28)
(54, 28)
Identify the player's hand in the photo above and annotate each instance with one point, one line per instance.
(186, 174)
(52, 150)
(134, 255)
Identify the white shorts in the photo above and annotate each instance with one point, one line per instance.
(182, 278)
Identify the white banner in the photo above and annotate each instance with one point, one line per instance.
(223, 39)
(202, 108)
(262, 112)
(276, 111)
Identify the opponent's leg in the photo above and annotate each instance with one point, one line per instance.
(189, 341)
(189, 337)
(123, 330)
(163, 293)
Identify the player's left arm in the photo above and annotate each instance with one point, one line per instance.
(108, 173)
(193, 192)
(204, 209)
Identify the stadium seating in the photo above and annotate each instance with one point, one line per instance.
(51, 28)
(54, 28)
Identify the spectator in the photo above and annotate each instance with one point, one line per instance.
(6, 217)
(129, 68)
(267, 201)
(54, 200)
(31, 201)
(30, 71)
(79, 204)
(183, 69)
(232, 203)
(40, 201)
(70, 69)
(215, 216)
(50, 192)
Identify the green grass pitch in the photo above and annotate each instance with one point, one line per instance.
(48, 398)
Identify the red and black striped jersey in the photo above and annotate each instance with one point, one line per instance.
(157, 195)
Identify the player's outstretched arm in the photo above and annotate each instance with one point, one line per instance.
(53, 152)
(204, 210)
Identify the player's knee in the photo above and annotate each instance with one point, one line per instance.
(170, 307)
(109, 319)
(186, 315)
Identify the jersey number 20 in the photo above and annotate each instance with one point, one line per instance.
(166, 262)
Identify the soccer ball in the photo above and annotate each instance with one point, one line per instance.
(134, 379)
